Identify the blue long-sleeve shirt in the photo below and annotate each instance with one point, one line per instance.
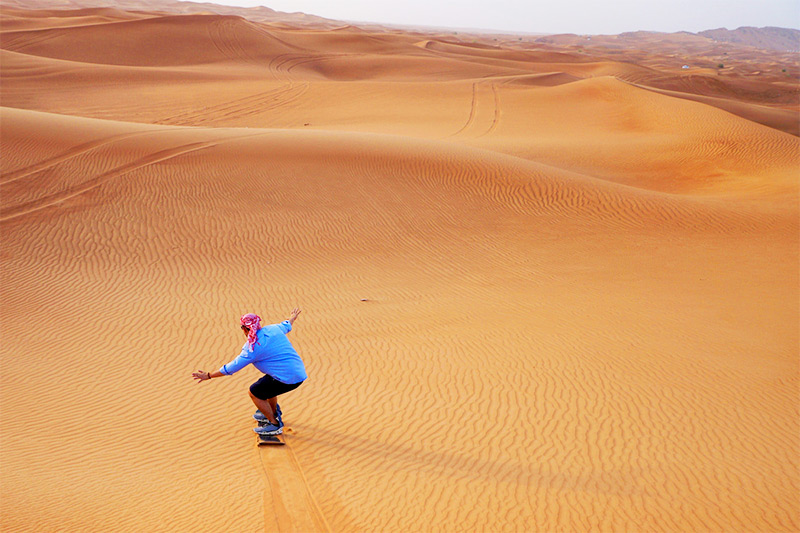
(272, 354)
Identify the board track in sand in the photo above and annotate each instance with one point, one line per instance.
(289, 503)
(590, 256)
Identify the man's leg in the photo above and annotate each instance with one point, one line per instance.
(273, 403)
(265, 408)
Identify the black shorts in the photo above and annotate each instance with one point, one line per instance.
(268, 387)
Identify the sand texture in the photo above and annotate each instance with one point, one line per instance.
(543, 288)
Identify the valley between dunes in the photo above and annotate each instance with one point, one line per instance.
(538, 293)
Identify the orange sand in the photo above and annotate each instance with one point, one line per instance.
(540, 291)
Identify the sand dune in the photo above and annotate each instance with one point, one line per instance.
(23, 19)
(773, 117)
(537, 297)
(161, 41)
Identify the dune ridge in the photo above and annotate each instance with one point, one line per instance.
(538, 295)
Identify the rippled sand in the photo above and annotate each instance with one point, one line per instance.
(537, 295)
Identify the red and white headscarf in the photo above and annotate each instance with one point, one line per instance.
(253, 323)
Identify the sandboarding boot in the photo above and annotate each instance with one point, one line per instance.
(259, 416)
(269, 429)
(265, 422)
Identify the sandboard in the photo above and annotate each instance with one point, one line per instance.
(264, 440)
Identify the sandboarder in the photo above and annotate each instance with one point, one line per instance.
(270, 351)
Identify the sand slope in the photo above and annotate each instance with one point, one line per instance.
(536, 297)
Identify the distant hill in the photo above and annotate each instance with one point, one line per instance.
(256, 14)
(623, 40)
(770, 37)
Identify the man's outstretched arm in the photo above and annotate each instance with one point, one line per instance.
(202, 375)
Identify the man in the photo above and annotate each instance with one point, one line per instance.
(271, 352)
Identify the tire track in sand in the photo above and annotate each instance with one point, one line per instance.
(496, 118)
(478, 120)
(29, 207)
(239, 108)
(75, 151)
(224, 35)
(288, 494)
(472, 109)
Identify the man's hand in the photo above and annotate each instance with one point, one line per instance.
(295, 312)
(200, 375)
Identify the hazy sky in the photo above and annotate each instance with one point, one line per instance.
(552, 16)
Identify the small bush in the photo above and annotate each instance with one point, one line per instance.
(720, 66)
